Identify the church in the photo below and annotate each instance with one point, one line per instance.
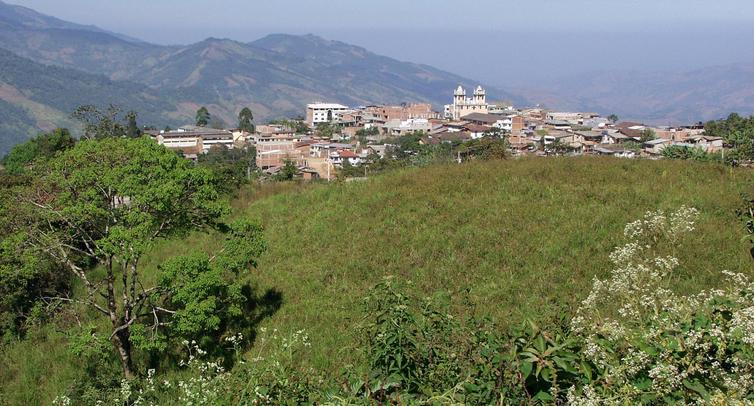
(463, 105)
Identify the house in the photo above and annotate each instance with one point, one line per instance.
(324, 149)
(614, 150)
(477, 131)
(656, 146)
(708, 143)
(190, 136)
(558, 124)
(398, 128)
(318, 113)
(340, 157)
(616, 137)
(566, 117)
(402, 112)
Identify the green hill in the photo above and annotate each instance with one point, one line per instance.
(510, 239)
(521, 238)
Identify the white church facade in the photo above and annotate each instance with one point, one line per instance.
(463, 105)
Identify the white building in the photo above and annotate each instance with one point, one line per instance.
(317, 113)
(463, 105)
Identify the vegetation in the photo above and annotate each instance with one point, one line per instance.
(245, 120)
(325, 130)
(231, 167)
(738, 134)
(44, 146)
(647, 134)
(202, 117)
(48, 94)
(472, 311)
(684, 152)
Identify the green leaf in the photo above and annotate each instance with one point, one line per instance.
(526, 368)
(697, 387)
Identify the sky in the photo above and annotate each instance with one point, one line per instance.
(501, 42)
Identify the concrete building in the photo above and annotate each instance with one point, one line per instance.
(463, 105)
(189, 136)
(402, 113)
(317, 113)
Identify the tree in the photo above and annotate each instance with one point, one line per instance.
(132, 129)
(103, 203)
(613, 118)
(495, 132)
(325, 130)
(230, 167)
(245, 119)
(363, 134)
(98, 123)
(287, 172)
(647, 134)
(202, 117)
(43, 146)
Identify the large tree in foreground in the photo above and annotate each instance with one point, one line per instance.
(98, 207)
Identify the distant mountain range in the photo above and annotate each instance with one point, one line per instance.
(53, 66)
(654, 97)
(276, 76)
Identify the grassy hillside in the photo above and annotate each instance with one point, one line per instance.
(518, 239)
(510, 239)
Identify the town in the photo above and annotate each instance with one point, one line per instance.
(330, 135)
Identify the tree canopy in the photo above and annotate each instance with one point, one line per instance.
(98, 207)
(202, 117)
(41, 146)
(245, 120)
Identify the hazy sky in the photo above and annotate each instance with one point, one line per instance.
(498, 41)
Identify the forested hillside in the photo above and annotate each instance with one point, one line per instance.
(36, 97)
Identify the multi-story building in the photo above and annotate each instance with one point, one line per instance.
(463, 105)
(318, 113)
(403, 112)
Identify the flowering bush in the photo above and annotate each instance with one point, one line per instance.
(643, 343)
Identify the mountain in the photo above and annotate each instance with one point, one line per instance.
(656, 97)
(35, 97)
(278, 74)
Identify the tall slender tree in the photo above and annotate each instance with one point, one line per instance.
(132, 129)
(202, 116)
(245, 120)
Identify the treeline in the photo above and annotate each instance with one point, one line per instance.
(738, 138)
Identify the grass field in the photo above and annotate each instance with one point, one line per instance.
(510, 239)
(518, 239)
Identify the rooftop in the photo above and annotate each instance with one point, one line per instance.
(325, 106)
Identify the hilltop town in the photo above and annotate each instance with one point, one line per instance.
(331, 135)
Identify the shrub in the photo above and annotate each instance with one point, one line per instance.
(651, 345)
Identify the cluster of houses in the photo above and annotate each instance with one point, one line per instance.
(359, 132)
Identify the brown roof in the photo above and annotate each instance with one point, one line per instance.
(476, 128)
(344, 153)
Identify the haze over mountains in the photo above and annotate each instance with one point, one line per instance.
(275, 76)
(278, 74)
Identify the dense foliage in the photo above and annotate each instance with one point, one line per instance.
(94, 210)
(738, 134)
(43, 146)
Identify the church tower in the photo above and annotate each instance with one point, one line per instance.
(480, 96)
(459, 96)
